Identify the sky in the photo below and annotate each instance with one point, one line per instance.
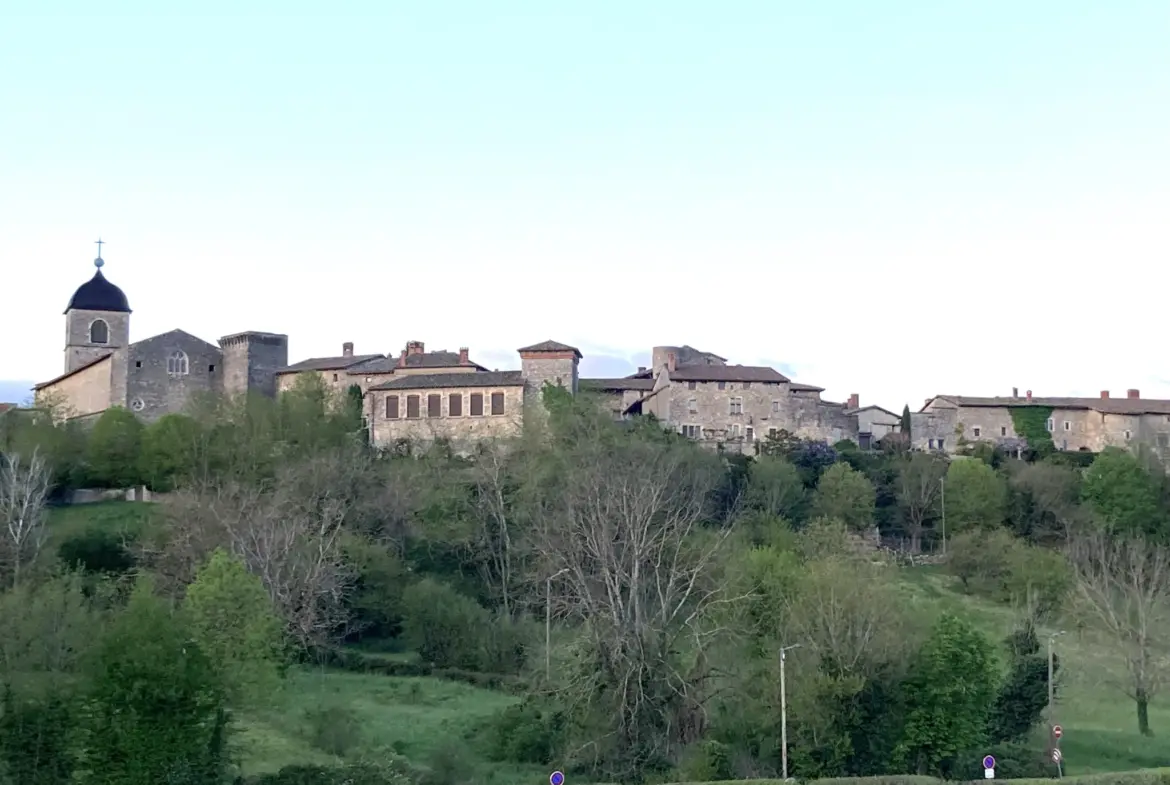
(895, 199)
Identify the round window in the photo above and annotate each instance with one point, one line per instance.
(137, 404)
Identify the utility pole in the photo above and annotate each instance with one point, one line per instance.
(942, 481)
(784, 714)
(548, 623)
(1051, 675)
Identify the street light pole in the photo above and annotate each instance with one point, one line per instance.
(1051, 674)
(784, 713)
(548, 623)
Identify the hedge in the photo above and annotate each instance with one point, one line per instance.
(361, 662)
(1136, 777)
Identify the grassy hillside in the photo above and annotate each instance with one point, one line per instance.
(322, 716)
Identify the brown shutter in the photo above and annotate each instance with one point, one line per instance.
(455, 405)
(497, 403)
(391, 407)
(434, 405)
(477, 404)
(412, 407)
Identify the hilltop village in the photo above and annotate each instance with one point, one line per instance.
(422, 395)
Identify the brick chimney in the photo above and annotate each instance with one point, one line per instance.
(1029, 395)
(463, 356)
(414, 347)
(671, 361)
(1015, 392)
(854, 401)
(347, 349)
(402, 359)
(641, 369)
(1133, 393)
(1104, 393)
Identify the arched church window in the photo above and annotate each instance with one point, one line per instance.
(99, 331)
(177, 364)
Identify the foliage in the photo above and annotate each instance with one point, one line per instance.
(775, 488)
(1125, 494)
(976, 496)
(846, 495)
(1024, 694)
(36, 747)
(114, 447)
(1031, 424)
(450, 630)
(170, 451)
(906, 421)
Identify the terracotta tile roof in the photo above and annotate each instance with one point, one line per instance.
(798, 387)
(1104, 405)
(618, 384)
(425, 381)
(551, 346)
(727, 373)
(6, 406)
(78, 369)
(328, 363)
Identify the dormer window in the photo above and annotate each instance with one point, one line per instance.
(99, 331)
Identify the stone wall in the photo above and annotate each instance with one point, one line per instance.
(153, 392)
(85, 392)
(463, 429)
(251, 360)
(538, 369)
(79, 350)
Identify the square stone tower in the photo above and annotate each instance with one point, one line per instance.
(251, 360)
(551, 362)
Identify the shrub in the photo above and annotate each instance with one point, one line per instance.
(444, 626)
(527, 733)
(357, 774)
(334, 729)
(96, 551)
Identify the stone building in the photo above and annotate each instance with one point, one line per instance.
(698, 394)
(945, 422)
(873, 422)
(103, 368)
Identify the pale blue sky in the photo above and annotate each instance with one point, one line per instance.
(891, 198)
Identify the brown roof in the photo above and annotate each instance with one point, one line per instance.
(328, 363)
(551, 346)
(1103, 405)
(727, 373)
(424, 381)
(618, 384)
(78, 369)
(805, 387)
(382, 364)
(6, 406)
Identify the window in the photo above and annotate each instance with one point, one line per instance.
(775, 407)
(412, 407)
(137, 404)
(1128, 435)
(976, 431)
(693, 406)
(1067, 425)
(692, 431)
(722, 385)
(1064, 444)
(735, 406)
(497, 403)
(391, 407)
(733, 431)
(334, 377)
(455, 405)
(1003, 430)
(434, 405)
(138, 363)
(477, 404)
(930, 443)
(941, 443)
(747, 385)
(1050, 425)
(749, 434)
(99, 331)
(211, 369)
(773, 433)
(691, 385)
(177, 364)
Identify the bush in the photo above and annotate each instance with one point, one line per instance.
(96, 551)
(334, 730)
(526, 733)
(452, 631)
(359, 774)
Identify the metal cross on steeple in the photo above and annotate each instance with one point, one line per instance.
(98, 262)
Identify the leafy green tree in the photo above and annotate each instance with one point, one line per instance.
(949, 696)
(1024, 695)
(1125, 494)
(231, 618)
(976, 496)
(154, 711)
(775, 487)
(846, 495)
(114, 447)
(170, 451)
(36, 745)
(906, 421)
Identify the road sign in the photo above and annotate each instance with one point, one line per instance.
(989, 762)
(1057, 731)
(1056, 756)
(556, 778)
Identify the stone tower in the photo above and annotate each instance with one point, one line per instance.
(97, 321)
(251, 360)
(548, 361)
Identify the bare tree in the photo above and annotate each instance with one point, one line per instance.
(1123, 584)
(920, 480)
(498, 541)
(24, 488)
(624, 531)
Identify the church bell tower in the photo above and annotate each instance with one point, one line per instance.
(97, 319)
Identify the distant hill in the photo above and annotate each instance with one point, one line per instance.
(15, 392)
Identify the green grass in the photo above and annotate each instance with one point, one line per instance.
(132, 519)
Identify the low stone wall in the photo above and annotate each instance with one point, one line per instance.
(93, 495)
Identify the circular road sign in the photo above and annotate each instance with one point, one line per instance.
(1057, 731)
(989, 762)
(556, 778)
(1056, 756)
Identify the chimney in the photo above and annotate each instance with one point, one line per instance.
(347, 349)
(1015, 392)
(463, 359)
(671, 359)
(1104, 393)
(641, 369)
(1029, 394)
(1133, 394)
(402, 359)
(854, 401)
(414, 347)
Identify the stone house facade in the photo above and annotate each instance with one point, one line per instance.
(873, 423)
(153, 377)
(945, 422)
(702, 397)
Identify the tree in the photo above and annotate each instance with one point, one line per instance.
(976, 496)
(845, 494)
(232, 620)
(1044, 501)
(170, 451)
(114, 447)
(24, 488)
(1024, 695)
(1125, 494)
(949, 697)
(775, 487)
(153, 712)
(919, 489)
(1123, 584)
(906, 422)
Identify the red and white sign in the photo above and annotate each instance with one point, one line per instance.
(1057, 731)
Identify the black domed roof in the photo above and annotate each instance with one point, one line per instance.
(98, 294)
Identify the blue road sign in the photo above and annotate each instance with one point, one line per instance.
(556, 778)
(989, 762)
